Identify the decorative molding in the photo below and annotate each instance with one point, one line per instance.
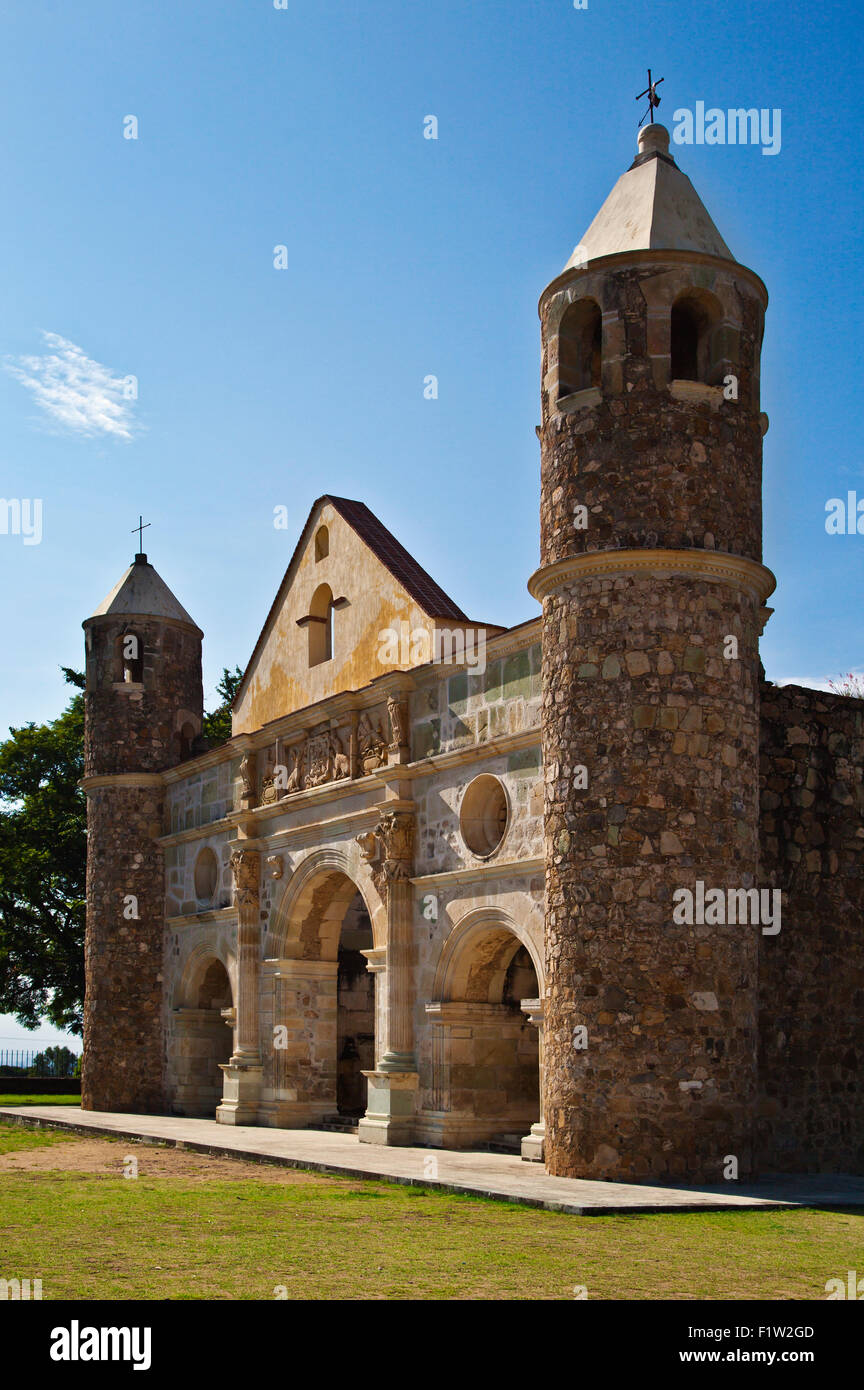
(500, 869)
(712, 565)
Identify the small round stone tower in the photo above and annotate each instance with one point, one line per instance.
(143, 712)
(653, 590)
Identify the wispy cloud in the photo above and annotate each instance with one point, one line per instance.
(81, 394)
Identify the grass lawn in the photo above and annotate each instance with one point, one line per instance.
(6, 1099)
(194, 1227)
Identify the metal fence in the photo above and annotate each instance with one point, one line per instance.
(33, 1062)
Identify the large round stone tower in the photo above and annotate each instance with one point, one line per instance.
(143, 711)
(653, 591)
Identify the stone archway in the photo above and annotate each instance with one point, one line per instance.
(202, 1035)
(487, 1038)
(323, 998)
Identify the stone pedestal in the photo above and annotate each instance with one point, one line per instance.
(241, 1089)
(389, 1117)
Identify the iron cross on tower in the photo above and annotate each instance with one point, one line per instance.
(140, 528)
(651, 93)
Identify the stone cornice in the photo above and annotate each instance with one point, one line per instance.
(191, 919)
(121, 779)
(499, 869)
(713, 565)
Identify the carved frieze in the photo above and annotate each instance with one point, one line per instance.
(371, 743)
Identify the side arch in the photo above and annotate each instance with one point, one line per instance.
(477, 953)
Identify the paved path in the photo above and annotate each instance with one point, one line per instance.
(479, 1174)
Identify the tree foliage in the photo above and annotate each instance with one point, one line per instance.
(42, 869)
(43, 857)
(216, 727)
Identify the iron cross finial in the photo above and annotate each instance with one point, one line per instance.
(651, 93)
(140, 528)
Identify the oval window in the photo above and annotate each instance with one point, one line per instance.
(206, 875)
(484, 815)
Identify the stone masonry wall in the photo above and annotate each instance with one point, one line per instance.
(811, 1021)
(637, 690)
(123, 1051)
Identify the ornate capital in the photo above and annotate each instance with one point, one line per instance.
(389, 849)
(244, 867)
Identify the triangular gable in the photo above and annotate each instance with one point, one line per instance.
(375, 585)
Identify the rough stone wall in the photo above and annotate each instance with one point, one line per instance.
(123, 1053)
(638, 692)
(130, 728)
(133, 728)
(651, 469)
(811, 1022)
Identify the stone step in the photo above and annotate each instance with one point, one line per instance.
(504, 1144)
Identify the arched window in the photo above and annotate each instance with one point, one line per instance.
(322, 543)
(129, 658)
(580, 348)
(321, 625)
(695, 316)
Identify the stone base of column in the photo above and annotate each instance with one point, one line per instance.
(533, 1144)
(389, 1117)
(241, 1089)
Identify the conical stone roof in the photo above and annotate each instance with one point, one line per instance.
(142, 593)
(653, 206)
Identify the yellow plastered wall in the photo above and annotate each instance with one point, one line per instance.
(280, 678)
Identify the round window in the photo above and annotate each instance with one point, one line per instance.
(206, 875)
(484, 813)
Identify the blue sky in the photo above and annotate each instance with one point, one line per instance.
(259, 387)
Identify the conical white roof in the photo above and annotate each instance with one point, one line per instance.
(653, 206)
(142, 593)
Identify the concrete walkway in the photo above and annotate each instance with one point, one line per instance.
(495, 1176)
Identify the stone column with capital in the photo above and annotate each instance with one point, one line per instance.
(392, 1084)
(244, 1071)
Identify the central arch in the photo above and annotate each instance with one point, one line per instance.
(324, 1008)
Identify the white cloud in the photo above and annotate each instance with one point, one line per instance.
(812, 683)
(81, 394)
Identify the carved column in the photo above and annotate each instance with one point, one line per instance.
(390, 852)
(244, 1071)
(532, 1144)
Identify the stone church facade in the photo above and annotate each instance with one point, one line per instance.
(434, 889)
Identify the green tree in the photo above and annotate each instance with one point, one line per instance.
(42, 868)
(216, 727)
(43, 857)
(54, 1061)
